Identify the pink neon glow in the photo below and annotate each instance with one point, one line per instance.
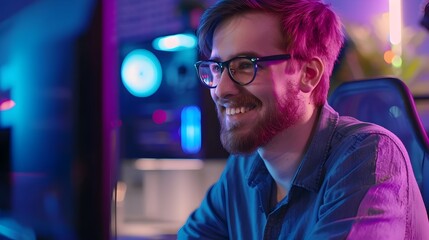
(159, 116)
(6, 105)
(395, 19)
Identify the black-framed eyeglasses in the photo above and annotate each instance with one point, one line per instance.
(242, 70)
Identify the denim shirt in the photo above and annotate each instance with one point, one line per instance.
(355, 181)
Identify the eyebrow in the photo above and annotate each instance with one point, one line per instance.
(241, 54)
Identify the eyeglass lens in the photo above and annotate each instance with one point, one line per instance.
(241, 70)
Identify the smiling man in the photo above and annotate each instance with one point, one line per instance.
(297, 170)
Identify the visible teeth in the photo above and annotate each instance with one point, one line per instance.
(237, 110)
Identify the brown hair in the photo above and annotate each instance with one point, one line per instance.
(310, 28)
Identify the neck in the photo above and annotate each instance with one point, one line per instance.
(283, 154)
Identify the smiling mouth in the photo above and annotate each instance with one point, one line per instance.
(231, 111)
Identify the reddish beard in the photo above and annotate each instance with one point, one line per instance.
(278, 117)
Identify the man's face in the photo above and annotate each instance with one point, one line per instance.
(251, 115)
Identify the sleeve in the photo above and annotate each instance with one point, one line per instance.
(367, 191)
(209, 220)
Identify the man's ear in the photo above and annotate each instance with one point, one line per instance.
(311, 75)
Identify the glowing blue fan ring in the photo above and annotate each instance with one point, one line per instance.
(141, 73)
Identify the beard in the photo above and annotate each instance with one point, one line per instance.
(279, 115)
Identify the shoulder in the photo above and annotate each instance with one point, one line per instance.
(357, 143)
(344, 132)
(351, 129)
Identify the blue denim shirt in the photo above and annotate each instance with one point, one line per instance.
(355, 181)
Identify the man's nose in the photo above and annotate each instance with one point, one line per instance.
(226, 86)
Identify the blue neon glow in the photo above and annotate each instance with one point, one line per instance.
(191, 129)
(175, 42)
(141, 73)
(10, 229)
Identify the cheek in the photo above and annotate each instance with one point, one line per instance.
(278, 82)
(287, 93)
(281, 90)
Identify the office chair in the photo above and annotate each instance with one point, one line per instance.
(388, 102)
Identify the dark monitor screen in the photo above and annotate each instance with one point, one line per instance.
(5, 168)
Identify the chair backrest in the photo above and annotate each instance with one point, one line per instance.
(389, 103)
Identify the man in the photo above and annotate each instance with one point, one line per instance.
(297, 170)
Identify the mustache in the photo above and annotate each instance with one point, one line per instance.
(238, 101)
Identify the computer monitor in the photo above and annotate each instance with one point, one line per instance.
(5, 169)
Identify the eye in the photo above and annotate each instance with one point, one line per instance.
(215, 68)
(243, 65)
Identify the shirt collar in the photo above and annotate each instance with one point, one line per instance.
(258, 172)
(310, 172)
